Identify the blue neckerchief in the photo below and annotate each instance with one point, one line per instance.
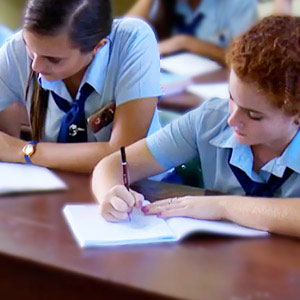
(187, 28)
(258, 189)
(73, 128)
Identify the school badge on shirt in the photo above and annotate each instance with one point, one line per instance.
(102, 117)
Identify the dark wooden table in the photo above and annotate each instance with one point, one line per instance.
(39, 259)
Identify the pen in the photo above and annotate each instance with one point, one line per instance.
(125, 172)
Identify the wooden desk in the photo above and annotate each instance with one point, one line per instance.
(39, 258)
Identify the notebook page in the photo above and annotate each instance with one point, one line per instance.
(188, 64)
(90, 229)
(185, 226)
(18, 178)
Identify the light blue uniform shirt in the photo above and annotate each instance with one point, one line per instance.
(126, 68)
(5, 33)
(223, 19)
(204, 132)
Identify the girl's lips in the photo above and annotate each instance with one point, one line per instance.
(238, 132)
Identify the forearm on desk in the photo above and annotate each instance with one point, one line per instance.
(81, 157)
(276, 215)
(108, 173)
(194, 45)
(206, 49)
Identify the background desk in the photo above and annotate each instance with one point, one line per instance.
(184, 101)
(39, 258)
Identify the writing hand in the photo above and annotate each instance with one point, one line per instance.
(118, 202)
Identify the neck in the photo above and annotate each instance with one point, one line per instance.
(72, 83)
(264, 153)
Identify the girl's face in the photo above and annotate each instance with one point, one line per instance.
(54, 57)
(254, 120)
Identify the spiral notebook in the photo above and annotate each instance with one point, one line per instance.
(91, 230)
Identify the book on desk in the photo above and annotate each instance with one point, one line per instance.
(25, 178)
(90, 229)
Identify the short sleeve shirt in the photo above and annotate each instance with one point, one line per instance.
(222, 19)
(125, 69)
(204, 132)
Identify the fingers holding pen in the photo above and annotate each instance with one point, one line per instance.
(119, 202)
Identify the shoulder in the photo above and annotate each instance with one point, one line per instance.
(210, 118)
(213, 107)
(15, 43)
(128, 27)
(5, 33)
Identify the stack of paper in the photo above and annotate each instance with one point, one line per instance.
(19, 178)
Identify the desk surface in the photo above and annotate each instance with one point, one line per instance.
(39, 258)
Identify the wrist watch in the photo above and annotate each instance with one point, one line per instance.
(28, 150)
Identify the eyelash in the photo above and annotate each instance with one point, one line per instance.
(249, 114)
(54, 60)
(254, 118)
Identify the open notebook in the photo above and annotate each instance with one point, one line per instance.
(91, 230)
(20, 178)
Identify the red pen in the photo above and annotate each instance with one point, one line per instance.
(125, 172)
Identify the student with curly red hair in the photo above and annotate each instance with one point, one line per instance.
(248, 145)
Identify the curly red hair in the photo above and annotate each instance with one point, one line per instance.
(268, 56)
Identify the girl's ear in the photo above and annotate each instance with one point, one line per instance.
(99, 46)
(297, 119)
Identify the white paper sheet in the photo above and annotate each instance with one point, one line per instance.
(209, 90)
(18, 178)
(188, 64)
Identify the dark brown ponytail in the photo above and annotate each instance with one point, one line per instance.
(38, 106)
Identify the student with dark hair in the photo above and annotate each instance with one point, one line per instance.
(248, 145)
(204, 27)
(83, 78)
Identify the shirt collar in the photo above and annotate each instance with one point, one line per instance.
(96, 72)
(242, 156)
(95, 75)
(290, 158)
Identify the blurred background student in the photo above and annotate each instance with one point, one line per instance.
(282, 7)
(203, 27)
